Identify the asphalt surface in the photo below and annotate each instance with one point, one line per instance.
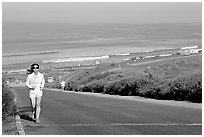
(70, 113)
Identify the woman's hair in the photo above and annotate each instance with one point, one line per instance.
(29, 71)
(34, 64)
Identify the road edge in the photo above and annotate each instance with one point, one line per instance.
(19, 125)
(137, 98)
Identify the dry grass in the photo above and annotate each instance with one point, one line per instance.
(152, 80)
(8, 111)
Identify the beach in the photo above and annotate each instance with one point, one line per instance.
(24, 44)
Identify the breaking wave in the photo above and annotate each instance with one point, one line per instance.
(28, 54)
(76, 59)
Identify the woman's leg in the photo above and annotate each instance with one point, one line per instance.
(32, 101)
(38, 108)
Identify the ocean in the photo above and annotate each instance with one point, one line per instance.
(44, 42)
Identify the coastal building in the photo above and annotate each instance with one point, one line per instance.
(151, 56)
(97, 62)
(165, 55)
(50, 79)
(126, 59)
(194, 50)
(192, 47)
(184, 52)
(189, 51)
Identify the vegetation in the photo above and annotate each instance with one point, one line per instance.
(173, 80)
(188, 88)
(8, 110)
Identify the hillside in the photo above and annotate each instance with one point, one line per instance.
(166, 69)
(153, 78)
(176, 77)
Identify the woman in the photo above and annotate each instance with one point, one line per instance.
(35, 82)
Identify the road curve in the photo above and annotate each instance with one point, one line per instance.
(70, 113)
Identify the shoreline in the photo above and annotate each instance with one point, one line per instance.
(73, 61)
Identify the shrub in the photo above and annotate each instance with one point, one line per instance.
(187, 88)
(8, 104)
(76, 89)
(86, 89)
(128, 87)
(97, 88)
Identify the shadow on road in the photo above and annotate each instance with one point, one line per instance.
(24, 113)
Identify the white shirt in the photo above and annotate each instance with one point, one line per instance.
(35, 80)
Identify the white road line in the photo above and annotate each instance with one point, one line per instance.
(117, 124)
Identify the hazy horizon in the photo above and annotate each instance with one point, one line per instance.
(102, 12)
(37, 35)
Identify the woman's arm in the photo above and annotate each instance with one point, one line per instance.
(43, 82)
(28, 83)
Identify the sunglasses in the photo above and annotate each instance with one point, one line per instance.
(35, 67)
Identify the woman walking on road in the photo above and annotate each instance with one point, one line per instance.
(35, 82)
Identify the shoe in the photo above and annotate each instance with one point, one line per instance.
(33, 116)
(37, 121)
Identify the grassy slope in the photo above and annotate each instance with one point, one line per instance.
(162, 70)
(151, 76)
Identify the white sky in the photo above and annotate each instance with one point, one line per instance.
(102, 12)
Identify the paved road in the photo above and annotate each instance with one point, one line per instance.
(70, 113)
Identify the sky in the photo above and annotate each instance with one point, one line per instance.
(102, 12)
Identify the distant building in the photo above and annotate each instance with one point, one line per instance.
(50, 79)
(192, 47)
(165, 55)
(151, 56)
(126, 59)
(184, 52)
(98, 62)
(189, 51)
(194, 50)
